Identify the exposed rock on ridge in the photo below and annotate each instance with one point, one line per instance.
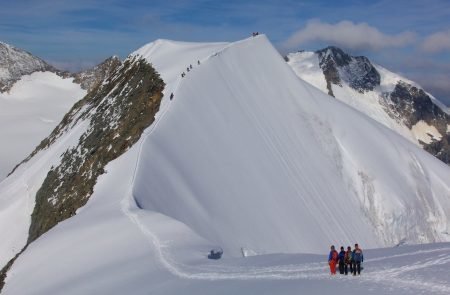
(90, 78)
(117, 112)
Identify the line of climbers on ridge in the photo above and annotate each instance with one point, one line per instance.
(190, 67)
(183, 74)
(345, 260)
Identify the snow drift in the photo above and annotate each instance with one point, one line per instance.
(245, 155)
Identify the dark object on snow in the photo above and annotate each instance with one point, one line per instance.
(187, 69)
(171, 96)
(190, 66)
(182, 75)
(215, 254)
(198, 62)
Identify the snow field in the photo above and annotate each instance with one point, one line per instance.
(30, 111)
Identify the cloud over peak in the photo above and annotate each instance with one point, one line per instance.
(437, 42)
(357, 36)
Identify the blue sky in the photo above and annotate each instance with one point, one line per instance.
(410, 37)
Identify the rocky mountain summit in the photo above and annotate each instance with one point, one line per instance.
(394, 101)
(339, 67)
(15, 62)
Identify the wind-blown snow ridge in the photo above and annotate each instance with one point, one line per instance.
(238, 158)
(354, 166)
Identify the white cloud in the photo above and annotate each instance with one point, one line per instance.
(437, 42)
(348, 35)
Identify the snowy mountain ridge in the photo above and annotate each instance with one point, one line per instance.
(388, 98)
(235, 159)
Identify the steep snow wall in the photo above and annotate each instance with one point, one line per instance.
(250, 156)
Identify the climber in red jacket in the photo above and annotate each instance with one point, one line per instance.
(333, 259)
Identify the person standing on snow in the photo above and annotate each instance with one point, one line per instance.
(348, 260)
(341, 260)
(358, 258)
(332, 260)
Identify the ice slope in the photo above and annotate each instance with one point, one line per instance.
(245, 155)
(30, 111)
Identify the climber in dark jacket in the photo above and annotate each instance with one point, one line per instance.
(342, 261)
(358, 258)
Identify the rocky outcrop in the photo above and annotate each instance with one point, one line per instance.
(14, 63)
(410, 104)
(356, 71)
(90, 78)
(117, 112)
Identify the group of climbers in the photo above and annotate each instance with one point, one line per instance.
(190, 67)
(346, 260)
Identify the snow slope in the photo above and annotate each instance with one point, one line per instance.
(29, 112)
(246, 155)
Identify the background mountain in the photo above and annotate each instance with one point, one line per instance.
(90, 78)
(34, 97)
(390, 99)
(132, 189)
(14, 63)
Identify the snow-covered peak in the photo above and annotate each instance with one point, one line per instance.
(387, 97)
(15, 62)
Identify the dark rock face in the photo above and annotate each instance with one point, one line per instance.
(117, 110)
(89, 79)
(410, 105)
(338, 67)
(14, 63)
(415, 105)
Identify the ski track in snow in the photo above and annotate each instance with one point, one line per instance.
(390, 276)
